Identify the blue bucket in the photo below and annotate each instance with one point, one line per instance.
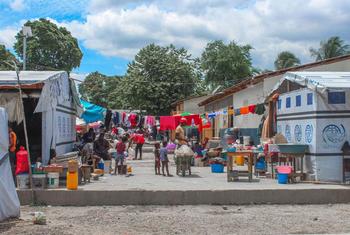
(101, 165)
(217, 168)
(282, 178)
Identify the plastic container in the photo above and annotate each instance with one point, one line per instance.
(22, 181)
(282, 178)
(39, 181)
(217, 168)
(260, 165)
(72, 166)
(107, 166)
(239, 160)
(53, 179)
(72, 181)
(246, 140)
(231, 149)
(101, 166)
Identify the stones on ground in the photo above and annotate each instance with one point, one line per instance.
(315, 219)
(225, 208)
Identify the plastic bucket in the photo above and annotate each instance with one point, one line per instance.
(22, 181)
(101, 165)
(240, 161)
(107, 166)
(282, 178)
(53, 179)
(217, 168)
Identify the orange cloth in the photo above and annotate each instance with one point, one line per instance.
(244, 110)
(13, 140)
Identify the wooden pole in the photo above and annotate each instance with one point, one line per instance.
(25, 126)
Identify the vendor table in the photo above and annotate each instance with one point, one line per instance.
(232, 174)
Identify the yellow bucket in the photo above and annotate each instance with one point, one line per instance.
(72, 181)
(240, 160)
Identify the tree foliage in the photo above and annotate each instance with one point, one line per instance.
(49, 48)
(286, 59)
(226, 64)
(6, 59)
(97, 88)
(333, 47)
(157, 77)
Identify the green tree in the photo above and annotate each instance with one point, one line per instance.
(50, 48)
(286, 59)
(6, 59)
(226, 65)
(159, 76)
(96, 88)
(333, 47)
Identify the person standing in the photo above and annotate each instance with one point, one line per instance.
(101, 147)
(163, 152)
(157, 158)
(12, 150)
(121, 147)
(180, 132)
(139, 140)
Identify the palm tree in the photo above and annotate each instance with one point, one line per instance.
(333, 47)
(286, 59)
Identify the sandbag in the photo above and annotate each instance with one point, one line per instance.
(184, 151)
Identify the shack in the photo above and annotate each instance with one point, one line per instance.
(51, 104)
(313, 108)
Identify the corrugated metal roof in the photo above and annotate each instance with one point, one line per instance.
(261, 77)
(27, 77)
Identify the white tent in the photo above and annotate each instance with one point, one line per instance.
(9, 202)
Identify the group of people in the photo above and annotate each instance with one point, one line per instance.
(100, 146)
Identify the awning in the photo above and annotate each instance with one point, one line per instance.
(92, 112)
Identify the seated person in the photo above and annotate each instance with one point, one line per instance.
(89, 137)
(101, 147)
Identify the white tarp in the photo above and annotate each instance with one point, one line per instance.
(318, 81)
(12, 103)
(9, 202)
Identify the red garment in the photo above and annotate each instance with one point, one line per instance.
(167, 123)
(138, 138)
(191, 119)
(120, 147)
(244, 110)
(133, 119)
(123, 117)
(251, 108)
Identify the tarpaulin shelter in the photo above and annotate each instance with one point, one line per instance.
(9, 202)
(92, 112)
(51, 103)
(313, 108)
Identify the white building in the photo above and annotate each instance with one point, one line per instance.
(51, 104)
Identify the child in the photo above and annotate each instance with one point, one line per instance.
(157, 158)
(121, 147)
(164, 158)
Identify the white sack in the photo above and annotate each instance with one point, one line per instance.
(9, 202)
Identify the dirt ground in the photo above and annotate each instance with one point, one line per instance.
(262, 219)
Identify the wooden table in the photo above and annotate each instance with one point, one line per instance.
(233, 175)
(291, 161)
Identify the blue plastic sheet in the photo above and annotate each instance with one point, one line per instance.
(92, 112)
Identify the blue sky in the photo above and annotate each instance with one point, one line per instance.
(110, 32)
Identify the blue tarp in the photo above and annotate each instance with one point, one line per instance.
(92, 112)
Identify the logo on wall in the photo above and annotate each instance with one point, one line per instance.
(279, 129)
(333, 135)
(298, 133)
(288, 134)
(309, 131)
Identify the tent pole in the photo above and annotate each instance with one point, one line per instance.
(25, 127)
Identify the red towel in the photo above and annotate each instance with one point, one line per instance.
(167, 123)
(251, 108)
(244, 110)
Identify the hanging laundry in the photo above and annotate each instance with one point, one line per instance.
(167, 123)
(244, 110)
(124, 119)
(237, 112)
(251, 108)
(133, 120)
(212, 115)
(231, 112)
(260, 109)
(150, 120)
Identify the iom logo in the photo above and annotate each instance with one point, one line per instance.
(334, 135)
(309, 132)
(298, 133)
(288, 134)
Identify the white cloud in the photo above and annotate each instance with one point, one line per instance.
(17, 5)
(7, 36)
(121, 28)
